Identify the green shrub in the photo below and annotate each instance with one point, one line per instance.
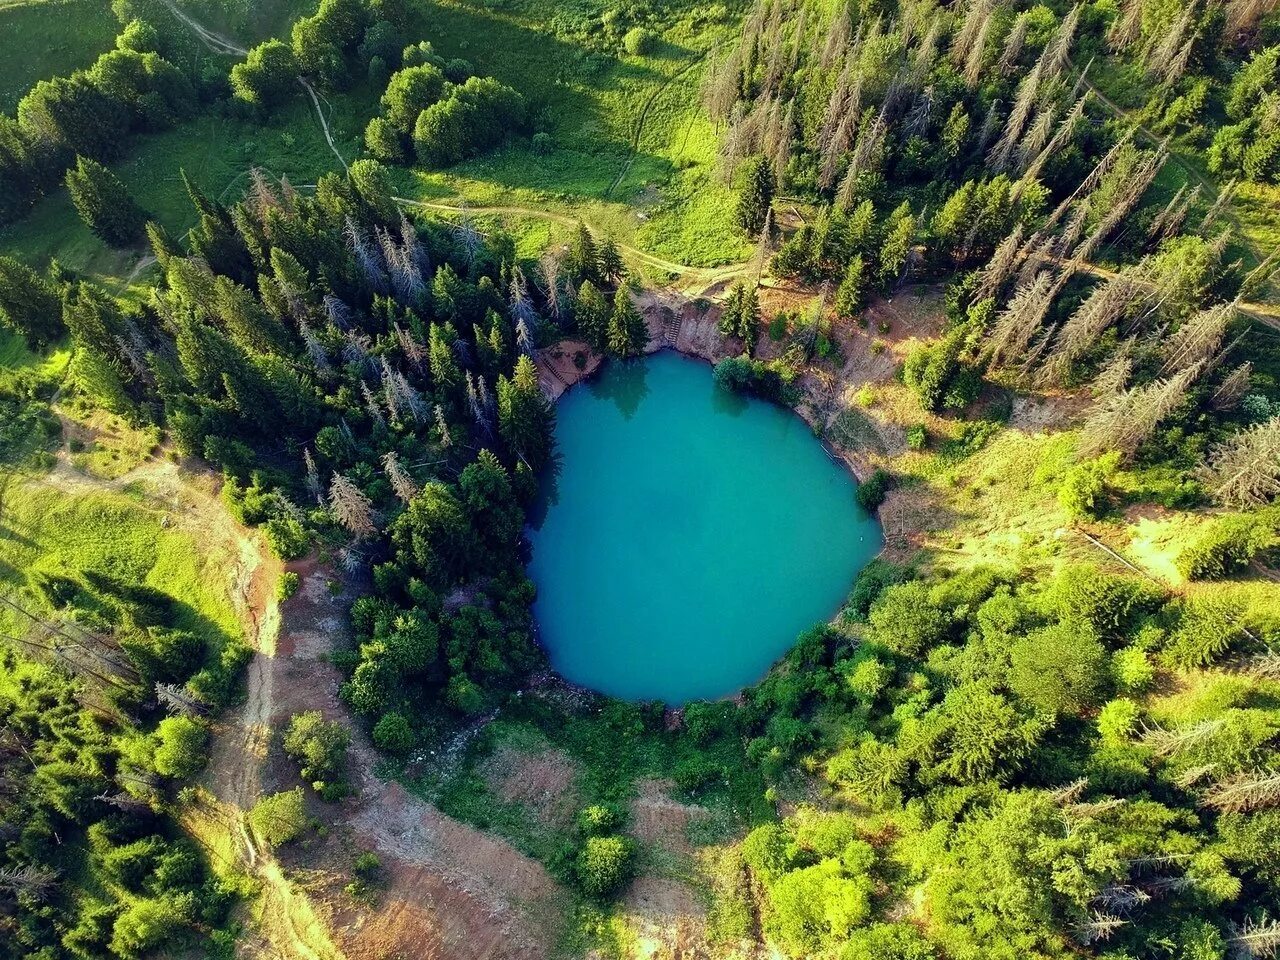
(147, 925)
(888, 941)
(1207, 627)
(1060, 669)
(1117, 720)
(287, 585)
(287, 537)
(180, 747)
(320, 748)
(393, 734)
(1083, 488)
(778, 326)
(639, 42)
(872, 579)
(603, 865)
(696, 773)
(599, 819)
(873, 490)
(904, 618)
(917, 438)
(280, 817)
(706, 721)
(1132, 668)
(1227, 544)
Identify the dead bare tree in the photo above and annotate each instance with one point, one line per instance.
(178, 699)
(401, 483)
(1124, 421)
(1233, 388)
(1256, 940)
(1198, 339)
(1108, 302)
(29, 880)
(1244, 470)
(1245, 791)
(1019, 321)
(351, 507)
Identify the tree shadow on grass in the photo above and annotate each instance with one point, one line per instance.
(565, 85)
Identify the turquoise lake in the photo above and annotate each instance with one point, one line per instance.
(688, 536)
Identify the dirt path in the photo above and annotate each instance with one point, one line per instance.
(644, 115)
(451, 891)
(223, 45)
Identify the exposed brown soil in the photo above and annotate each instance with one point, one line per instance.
(450, 891)
(543, 783)
(661, 822)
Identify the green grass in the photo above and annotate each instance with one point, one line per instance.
(248, 21)
(44, 530)
(631, 154)
(217, 152)
(49, 38)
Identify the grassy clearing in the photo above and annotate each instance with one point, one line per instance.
(629, 151)
(104, 445)
(248, 21)
(217, 152)
(612, 748)
(49, 38)
(51, 531)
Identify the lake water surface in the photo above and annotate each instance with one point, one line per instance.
(689, 535)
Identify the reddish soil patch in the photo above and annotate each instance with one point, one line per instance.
(659, 821)
(450, 891)
(669, 917)
(543, 783)
(563, 364)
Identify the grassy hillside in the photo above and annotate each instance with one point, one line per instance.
(49, 38)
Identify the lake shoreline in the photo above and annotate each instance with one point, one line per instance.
(719, 482)
(698, 338)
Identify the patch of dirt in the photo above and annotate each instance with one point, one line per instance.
(665, 911)
(451, 891)
(543, 783)
(659, 821)
(668, 918)
(563, 364)
(1050, 412)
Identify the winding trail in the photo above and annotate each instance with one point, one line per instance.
(698, 279)
(644, 115)
(227, 47)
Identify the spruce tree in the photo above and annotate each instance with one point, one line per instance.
(104, 204)
(852, 290)
(525, 418)
(583, 261)
(29, 305)
(757, 195)
(611, 267)
(592, 315)
(628, 333)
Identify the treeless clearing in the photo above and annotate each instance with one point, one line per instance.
(542, 783)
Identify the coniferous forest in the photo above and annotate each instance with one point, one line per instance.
(290, 293)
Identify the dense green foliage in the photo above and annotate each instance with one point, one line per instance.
(1042, 761)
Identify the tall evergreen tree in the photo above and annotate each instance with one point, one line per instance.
(757, 195)
(628, 333)
(525, 418)
(611, 267)
(852, 290)
(591, 311)
(29, 306)
(104, 203)
(583, 260)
